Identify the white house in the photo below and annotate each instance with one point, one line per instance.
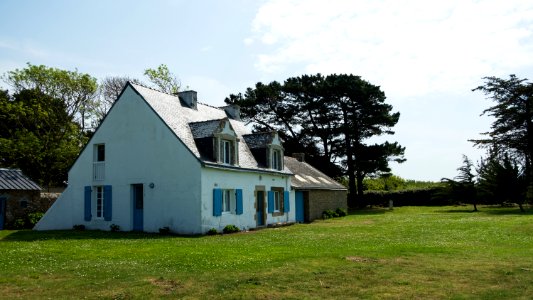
(160, 160)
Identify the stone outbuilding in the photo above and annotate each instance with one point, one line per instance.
(19, 196)
(315, 192)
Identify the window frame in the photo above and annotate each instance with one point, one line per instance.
(99, 153)
(278, 208)
(276, 159)
(228, 201)
(225, 151)
(99, 202)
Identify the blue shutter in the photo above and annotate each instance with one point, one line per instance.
(238, 194)
(217, 202)
(87, 204)
(286, 203)
(270, 201)
(108, 203)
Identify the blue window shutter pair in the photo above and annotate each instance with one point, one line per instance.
(286, 203)
(108, 207)
(270, 201)
(87, 204)
(217, 202)
(108, 200)
(238, 194)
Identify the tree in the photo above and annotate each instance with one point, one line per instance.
(76, 90)
(463, 187)
(38, 136)
(330, 118)
(512, 130)
(109, 90)
(163, 79)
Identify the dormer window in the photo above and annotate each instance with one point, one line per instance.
(226, 152)
(276, 159)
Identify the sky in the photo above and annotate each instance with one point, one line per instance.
(426, 56)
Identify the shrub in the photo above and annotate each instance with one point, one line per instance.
(18, 224)
(114, 227)
(34, 217)
(212, 231)
(164, 230)
(231, 229)
(328, 214)
(79, 227)
(341, 212)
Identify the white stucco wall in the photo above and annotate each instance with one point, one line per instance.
(247, 181)
(140, 149)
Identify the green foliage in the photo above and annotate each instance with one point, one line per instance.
(328, 118)
(34, 217)
(415, 197)
(341, 212)
(163, 79)
(114, 227)
(79, 227)
(328, 214)
(38, 136)
(389, 182)
(77, 91)
(164, 230)
(231, 229)
(212, 231)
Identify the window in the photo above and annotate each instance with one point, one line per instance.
(99, 201)
(225, 151)
(100, 152)
(277, 201)
(276, 159)
(228, 200)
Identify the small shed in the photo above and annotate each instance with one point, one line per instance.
(315, 192)
(19, 196)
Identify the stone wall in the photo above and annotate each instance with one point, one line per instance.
(20, 203)
(321, 200)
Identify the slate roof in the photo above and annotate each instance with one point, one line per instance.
(258, 140)
(307, 177)
(179, 118)
(13, 179)
(204, 129)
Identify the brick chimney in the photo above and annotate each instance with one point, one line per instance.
(189, 98)
(299, 156)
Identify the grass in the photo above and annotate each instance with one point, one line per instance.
(410, 252)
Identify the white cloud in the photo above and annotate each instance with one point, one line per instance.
(437, 46)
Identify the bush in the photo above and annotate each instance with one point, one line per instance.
(212, 231)
(164, 230)
(341, 212)
(114, 227)
(231, 229)
(33, 218)
(18, 224)
(79, 227)
(328, 214)
(417, 197)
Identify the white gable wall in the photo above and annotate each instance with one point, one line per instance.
(140, 149)
(247, 181)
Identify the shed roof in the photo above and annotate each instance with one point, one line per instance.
(308, 177)
(13, 179)
(179, 118)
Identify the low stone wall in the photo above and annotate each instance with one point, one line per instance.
(20, 203)
(321, 200)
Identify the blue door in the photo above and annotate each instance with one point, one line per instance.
(299, 206)
(2, 212)
(260, 208)
(138, 204)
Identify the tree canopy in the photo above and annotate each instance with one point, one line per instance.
(163, 79)
(330, 118)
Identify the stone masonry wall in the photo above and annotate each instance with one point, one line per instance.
(321, 200)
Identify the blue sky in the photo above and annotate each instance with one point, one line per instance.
(425, 55)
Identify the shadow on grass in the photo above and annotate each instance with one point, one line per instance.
(490, 210)
(30, 235)
(369, 211)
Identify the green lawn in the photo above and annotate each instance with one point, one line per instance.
(410, 252)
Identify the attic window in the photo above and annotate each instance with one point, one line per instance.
(276, 159)
(226, 152)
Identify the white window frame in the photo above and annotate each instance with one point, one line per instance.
(277, 200)
(228, 201)
(99, 201)
(96, 152)
(276, 159)
(225, 151)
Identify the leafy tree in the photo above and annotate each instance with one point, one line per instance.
(163, 79)
(38, 136)
(512, 130)
(76, 90)
(330, 119)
